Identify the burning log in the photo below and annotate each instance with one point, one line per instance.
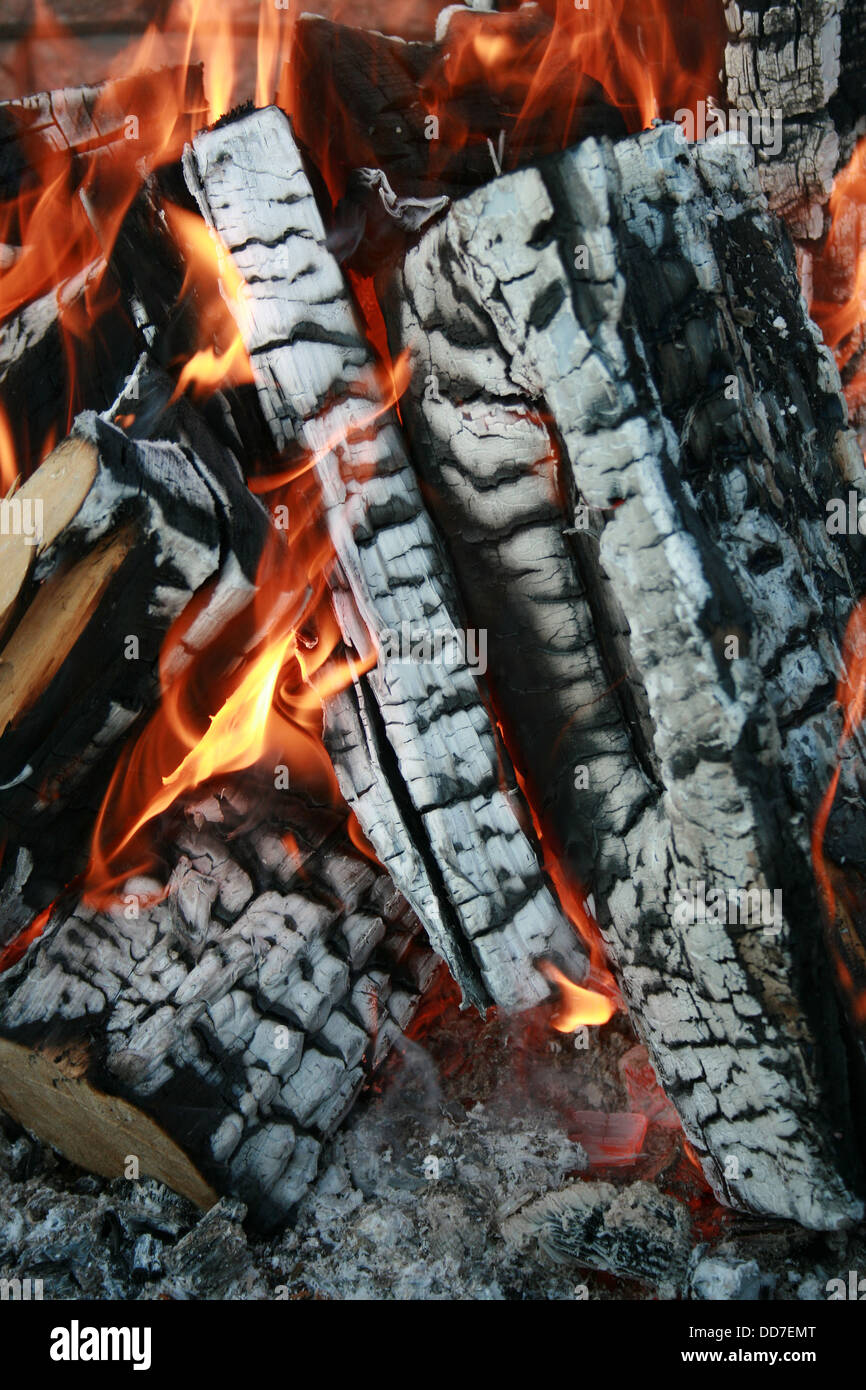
(394, 106)
(72, 159)
(50, 128)
(412, 742)
(631, 311)
(214, 1025)
(46, 355)
(103, 549)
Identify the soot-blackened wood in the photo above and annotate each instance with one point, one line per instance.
(218, 1022)
(53, 355)
(379, 92)
(117, 539)
(412, 741)
(638, 299)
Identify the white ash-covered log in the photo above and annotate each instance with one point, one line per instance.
(631, 312)
(214, 1025)
(412, 741)
(106, 546)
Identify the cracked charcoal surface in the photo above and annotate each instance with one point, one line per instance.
(413, 743)
(246, 1009)
(707, 522)
(805, 61)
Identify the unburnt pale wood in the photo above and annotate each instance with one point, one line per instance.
(58, 488)
(99, 1132)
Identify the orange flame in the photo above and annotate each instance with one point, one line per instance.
(839, 303)
(578, 1007)
(8, 455)
(223, 312)
(535, 70)
(851, 696)
(218, 717)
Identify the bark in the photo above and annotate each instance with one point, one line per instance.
(637, 299)
(219, 1020)
(412, 742)
(133, 536)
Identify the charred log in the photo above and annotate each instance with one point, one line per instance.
(212, 1028)
(412, 741)
(625, 305)
(113, 541)
(53, 128)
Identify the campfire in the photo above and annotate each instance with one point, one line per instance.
(433, 650)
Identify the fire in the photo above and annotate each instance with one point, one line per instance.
(578, 1007)
(839, 306)
(851, 696)
(223, 313)
(8, 455)
(533, 70)
(214, 719)
(535, 67)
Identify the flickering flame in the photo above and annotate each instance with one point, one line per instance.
(8, 455)
(537, 70)
(214, 43)
(222, 305)
(839, 304)
(578, 1007)
(851, 696)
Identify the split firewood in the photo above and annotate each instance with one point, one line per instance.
(102, 549)
(625, 416)
(212, 1028)
(412, 742)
